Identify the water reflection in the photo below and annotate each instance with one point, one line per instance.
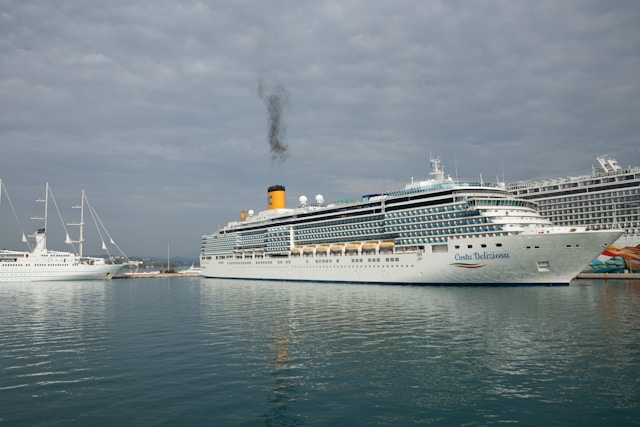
(419, 355)
(269, 353)
(50, 333)
(283, 393)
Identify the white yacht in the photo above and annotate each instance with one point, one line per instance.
(42, 264)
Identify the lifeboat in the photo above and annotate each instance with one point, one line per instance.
(370, 246)
(309, 249)
(296, 251)
(322, 248)
(337, 247)
(387, 246)
(352, 247)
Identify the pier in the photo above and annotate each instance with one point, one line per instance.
(605, 276)
(156, 275)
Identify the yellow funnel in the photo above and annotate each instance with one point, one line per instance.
(276, 197)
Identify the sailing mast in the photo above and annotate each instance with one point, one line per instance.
(40, 234)
(80, 225)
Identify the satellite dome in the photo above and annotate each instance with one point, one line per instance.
(303, 200)
(319, 199)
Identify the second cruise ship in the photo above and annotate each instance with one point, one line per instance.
(607, 199)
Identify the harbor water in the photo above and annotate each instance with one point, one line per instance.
(194, 351)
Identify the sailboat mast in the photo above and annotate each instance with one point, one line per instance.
(46, 205)
(81, 238)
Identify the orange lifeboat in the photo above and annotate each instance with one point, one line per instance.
(352, 247)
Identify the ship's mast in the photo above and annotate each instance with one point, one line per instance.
(81, 237)
(40, 234)
(80, 240)
(436, 170)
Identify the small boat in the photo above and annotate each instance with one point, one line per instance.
(191, 271)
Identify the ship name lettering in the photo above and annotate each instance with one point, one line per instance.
(490, 255)
(479, 256)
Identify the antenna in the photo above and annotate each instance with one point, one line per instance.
(455, 163)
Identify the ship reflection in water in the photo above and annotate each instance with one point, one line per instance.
(185, 351)
(283, 392)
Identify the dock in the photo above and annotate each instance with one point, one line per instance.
(156, 275)
(609, 276)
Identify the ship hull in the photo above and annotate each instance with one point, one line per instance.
(31, 273)
(529, 259)
(623, 256)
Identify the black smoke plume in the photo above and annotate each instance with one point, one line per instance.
(276, 100)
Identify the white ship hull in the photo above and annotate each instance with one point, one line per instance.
(10, 272)
(522, 259)
(623, 256)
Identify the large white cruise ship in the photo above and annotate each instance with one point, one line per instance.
(607, 199)
(42, 264)
(435, 231)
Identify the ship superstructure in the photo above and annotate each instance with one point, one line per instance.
(433, 231)
(607, 199)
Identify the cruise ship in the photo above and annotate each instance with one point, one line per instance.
(432, 231)
(608, 198)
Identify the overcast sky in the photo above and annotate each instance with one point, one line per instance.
(153, 107)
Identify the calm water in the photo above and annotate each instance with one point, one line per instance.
(194, 351)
